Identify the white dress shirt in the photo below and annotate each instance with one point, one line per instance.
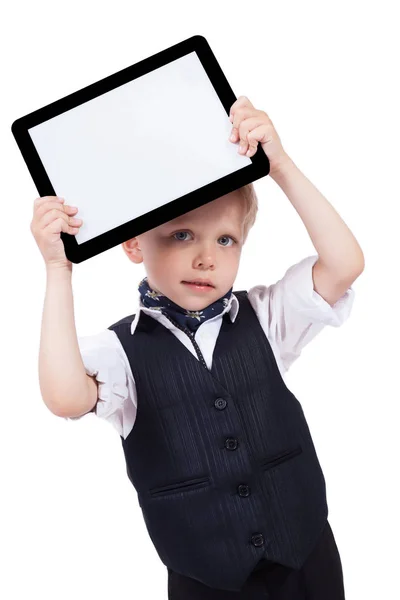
(290, 311)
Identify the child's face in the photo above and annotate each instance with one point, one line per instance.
(204, 243)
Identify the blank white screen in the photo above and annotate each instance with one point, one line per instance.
(139, 146)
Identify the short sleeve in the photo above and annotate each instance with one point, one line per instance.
(292, 313)
(299, 294)
(104, 358)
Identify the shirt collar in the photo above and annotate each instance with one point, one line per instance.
(232, 308)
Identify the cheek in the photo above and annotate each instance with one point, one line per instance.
(234, 261)
(165, 257)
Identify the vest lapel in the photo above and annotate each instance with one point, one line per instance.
(176, 345)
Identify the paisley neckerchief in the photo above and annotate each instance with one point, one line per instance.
(189, 319)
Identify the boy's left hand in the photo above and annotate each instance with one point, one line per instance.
(251, 126)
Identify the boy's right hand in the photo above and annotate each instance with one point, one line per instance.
(50, 217)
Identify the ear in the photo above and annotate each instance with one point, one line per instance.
(132, 250)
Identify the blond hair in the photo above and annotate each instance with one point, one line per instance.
(250, 202)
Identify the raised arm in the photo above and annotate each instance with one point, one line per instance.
(65, 387)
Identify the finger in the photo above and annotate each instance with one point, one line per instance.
(237, 119)
(243, 147)
(53, 205)
(240, 114)
(242, 101)
(254, 137)
(47, 211)
(234, 136)
(43, 199)
(55, 227)
(55, 215)
(40, 204)
(245, 127)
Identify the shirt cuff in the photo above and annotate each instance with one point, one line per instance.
(301, 294)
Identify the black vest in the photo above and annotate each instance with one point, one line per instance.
(222, 460)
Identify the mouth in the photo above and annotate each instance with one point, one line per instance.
(199, 285)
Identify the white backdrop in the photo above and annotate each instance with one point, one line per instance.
(327, 75)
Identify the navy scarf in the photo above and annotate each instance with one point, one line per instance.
(186, 318)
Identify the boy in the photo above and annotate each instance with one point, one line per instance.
(217, 447)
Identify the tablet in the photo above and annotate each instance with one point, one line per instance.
(138, 148)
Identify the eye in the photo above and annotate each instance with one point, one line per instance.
(227, 237)
(221, 238)
(177, 233)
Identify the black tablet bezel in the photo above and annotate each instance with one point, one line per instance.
(77, 253)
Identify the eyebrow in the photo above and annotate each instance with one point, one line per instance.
(234, 230)
(176, 222)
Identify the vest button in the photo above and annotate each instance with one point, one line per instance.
(231, 444)
(220, 403)
(243, 490)
(257, 539)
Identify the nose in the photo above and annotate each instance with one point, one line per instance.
(205, 257)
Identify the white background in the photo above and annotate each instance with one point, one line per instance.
(327, 75)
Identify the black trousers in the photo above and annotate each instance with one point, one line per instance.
(320, 578)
